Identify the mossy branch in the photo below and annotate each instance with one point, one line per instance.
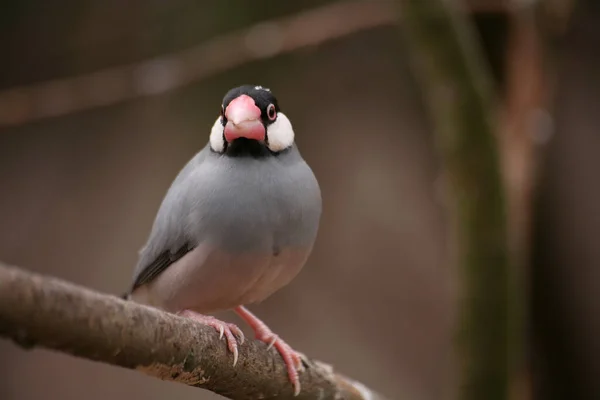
(459, 95)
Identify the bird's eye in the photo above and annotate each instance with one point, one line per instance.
(271, 113)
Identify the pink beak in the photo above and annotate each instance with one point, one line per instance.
(243, 120)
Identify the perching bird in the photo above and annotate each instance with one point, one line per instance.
(237, 224)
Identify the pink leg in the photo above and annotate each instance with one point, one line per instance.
(292, 359)
(229, 330)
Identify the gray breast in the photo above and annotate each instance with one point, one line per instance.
(251, 221)
(253, 204)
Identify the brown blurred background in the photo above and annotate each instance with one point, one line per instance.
(80, 190)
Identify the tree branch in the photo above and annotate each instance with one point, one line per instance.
(154, 76)
(167, 72)
(47, 312)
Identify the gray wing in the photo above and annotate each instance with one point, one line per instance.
(168, 240)
(152, 270)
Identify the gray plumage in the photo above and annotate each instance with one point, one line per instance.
(231, 230)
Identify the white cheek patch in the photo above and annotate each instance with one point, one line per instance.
(217, 143)
(280, 133)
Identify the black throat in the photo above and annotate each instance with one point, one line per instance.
(243, 147)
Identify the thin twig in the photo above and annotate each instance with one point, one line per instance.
(526, 123)
(47, 312)
(167, 72)
(170, 71)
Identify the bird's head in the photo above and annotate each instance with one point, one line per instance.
(251, 116)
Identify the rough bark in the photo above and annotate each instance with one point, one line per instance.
(47, 312)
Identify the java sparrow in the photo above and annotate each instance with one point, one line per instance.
(238, 223)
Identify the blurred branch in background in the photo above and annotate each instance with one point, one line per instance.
(158, 75)
(460, 97)
(40, 311)
(171, 71)
(526, 125)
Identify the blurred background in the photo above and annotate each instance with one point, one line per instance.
(101, 104)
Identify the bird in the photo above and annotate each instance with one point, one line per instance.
(237, 224)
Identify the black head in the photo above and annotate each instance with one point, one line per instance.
(250, 118)
(262, 97)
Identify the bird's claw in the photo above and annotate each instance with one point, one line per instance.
(238, 332)
(228, 330)
(272, 342)
(292, 359)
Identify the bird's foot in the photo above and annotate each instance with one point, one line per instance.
(232, 333)
(292, 359)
